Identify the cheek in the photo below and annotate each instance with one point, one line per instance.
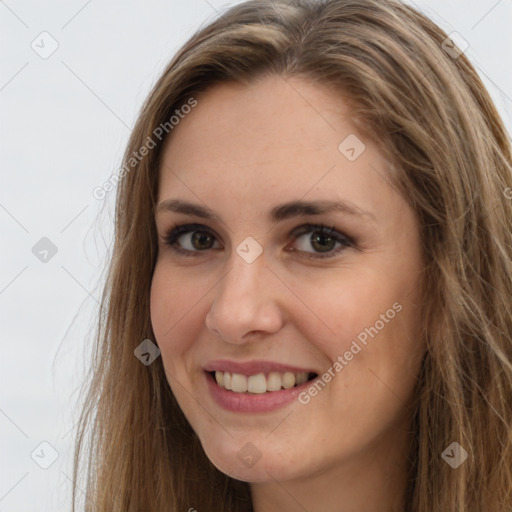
(174, 307)
(370, 319)
(337, 308)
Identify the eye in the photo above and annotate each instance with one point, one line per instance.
(323, 239)
(196, 238)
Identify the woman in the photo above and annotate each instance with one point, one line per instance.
(309, 299)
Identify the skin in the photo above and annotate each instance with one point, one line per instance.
(243, 150)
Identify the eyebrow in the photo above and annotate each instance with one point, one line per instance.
(279, 213)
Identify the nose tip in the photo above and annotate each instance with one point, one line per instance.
(245, 304)
(231, 330)
(235, 327)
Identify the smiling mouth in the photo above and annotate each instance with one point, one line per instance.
(261, 382)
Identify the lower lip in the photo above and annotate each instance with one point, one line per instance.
(248, 402)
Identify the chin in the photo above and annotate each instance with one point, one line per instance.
(243, 461)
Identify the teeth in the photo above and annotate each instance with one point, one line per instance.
(238, 383)
(301, 378)
(259, 383)
(288, 380)
(274, 381)
(227, 380)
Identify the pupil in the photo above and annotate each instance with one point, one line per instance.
(322, 238)
(200, 238)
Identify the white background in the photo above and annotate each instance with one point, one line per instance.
(63, 126)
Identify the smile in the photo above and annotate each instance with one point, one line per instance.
(255, 387)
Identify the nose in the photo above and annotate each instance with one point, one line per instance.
(246, 302)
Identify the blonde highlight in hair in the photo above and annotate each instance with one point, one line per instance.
(451, 159)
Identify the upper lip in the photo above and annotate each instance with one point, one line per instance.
(252, 367)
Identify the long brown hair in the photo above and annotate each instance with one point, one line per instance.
(434, 121)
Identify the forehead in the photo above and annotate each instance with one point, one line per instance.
(275, 137)
(272, 113)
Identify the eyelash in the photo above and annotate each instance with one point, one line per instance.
(172, 236)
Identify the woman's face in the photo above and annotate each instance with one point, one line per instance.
(251, 291)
